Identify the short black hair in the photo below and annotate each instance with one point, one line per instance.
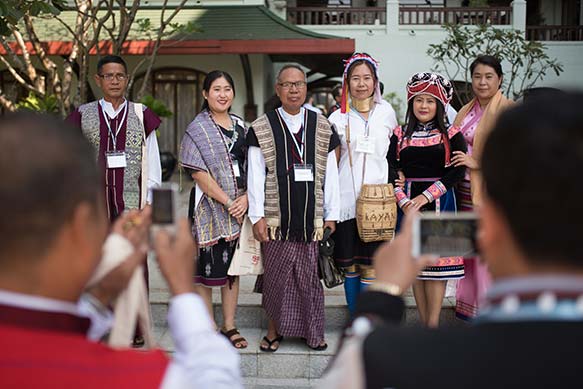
(212, 77)
(488, 60)
(532, 163)
(48, 168)
(111, 59)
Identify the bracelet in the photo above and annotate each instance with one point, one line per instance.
(229, 203)
(386, 287)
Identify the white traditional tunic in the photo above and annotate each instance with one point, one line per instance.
(379, 128)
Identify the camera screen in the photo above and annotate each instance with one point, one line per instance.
(448, 237)
(162, 206)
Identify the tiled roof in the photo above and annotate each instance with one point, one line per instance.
(216, 23)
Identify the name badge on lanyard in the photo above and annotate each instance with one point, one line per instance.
(116, 159)
(236, 168)
(365, 144)
(303, 173)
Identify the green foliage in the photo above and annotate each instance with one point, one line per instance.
(524, 62)
(11, 11)
(157, 106)
(398, 105)
(47, 104)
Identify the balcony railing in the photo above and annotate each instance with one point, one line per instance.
(336, 15)
(407, 15)
(554, 33)
(455, 15)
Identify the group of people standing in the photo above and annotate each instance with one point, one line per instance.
(296, 173)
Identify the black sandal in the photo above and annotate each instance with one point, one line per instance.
(237, 341)
(320, 347)
(270, 343)
(138, 341)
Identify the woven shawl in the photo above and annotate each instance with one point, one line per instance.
(497, 104)
(203, 148)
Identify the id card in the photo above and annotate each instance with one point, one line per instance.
(303, 173)
(116, 159)
(365, 144)
(236, 168)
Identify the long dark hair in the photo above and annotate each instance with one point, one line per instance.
(212, 77)
(440, 122)
(412, 121)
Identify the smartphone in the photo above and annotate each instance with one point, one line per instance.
(445, 235)
(164, 207)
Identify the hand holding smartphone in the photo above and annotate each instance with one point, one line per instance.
(164, 208)
(445, 235)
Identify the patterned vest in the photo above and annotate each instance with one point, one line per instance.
(135, 139)
(264, 132)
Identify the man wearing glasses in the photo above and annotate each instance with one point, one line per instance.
(123, 135)
(124, 138)
(293, 195)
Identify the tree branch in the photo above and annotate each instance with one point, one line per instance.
(19, 78)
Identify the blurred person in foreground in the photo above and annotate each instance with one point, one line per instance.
(52, 232)
(530, 332)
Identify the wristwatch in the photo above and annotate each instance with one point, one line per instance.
(386, 287)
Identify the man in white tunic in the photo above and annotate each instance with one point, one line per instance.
(293, 197)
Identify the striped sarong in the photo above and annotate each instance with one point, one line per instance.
(293, 296)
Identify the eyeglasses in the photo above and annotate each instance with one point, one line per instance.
(289, 85)
(111, 76)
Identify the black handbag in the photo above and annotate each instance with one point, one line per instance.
(329, 272)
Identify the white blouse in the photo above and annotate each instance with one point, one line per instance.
(379, 127)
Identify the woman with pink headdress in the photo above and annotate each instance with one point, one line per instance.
(366, 122)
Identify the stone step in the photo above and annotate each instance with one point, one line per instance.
(293, 359)
(253, 316)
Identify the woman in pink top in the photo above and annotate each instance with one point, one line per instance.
(475, 120)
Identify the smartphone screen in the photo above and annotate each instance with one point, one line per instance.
(162, 206)
(452, 235)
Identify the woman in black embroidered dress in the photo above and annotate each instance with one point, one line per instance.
(422, 151)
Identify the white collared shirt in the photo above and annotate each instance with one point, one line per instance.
(152, 149)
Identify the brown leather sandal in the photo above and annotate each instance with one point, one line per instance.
(237, 341)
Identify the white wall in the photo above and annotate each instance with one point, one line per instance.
(403, 53)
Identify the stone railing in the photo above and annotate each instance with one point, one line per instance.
(455, 15)
(336, 15)
(554, 33)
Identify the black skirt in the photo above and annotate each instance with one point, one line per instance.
(213, 263)
(349, 249)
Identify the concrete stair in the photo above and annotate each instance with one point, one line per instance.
(294, 365)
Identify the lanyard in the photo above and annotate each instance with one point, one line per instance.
(299, 147)
(108, 122)
(230, 141)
